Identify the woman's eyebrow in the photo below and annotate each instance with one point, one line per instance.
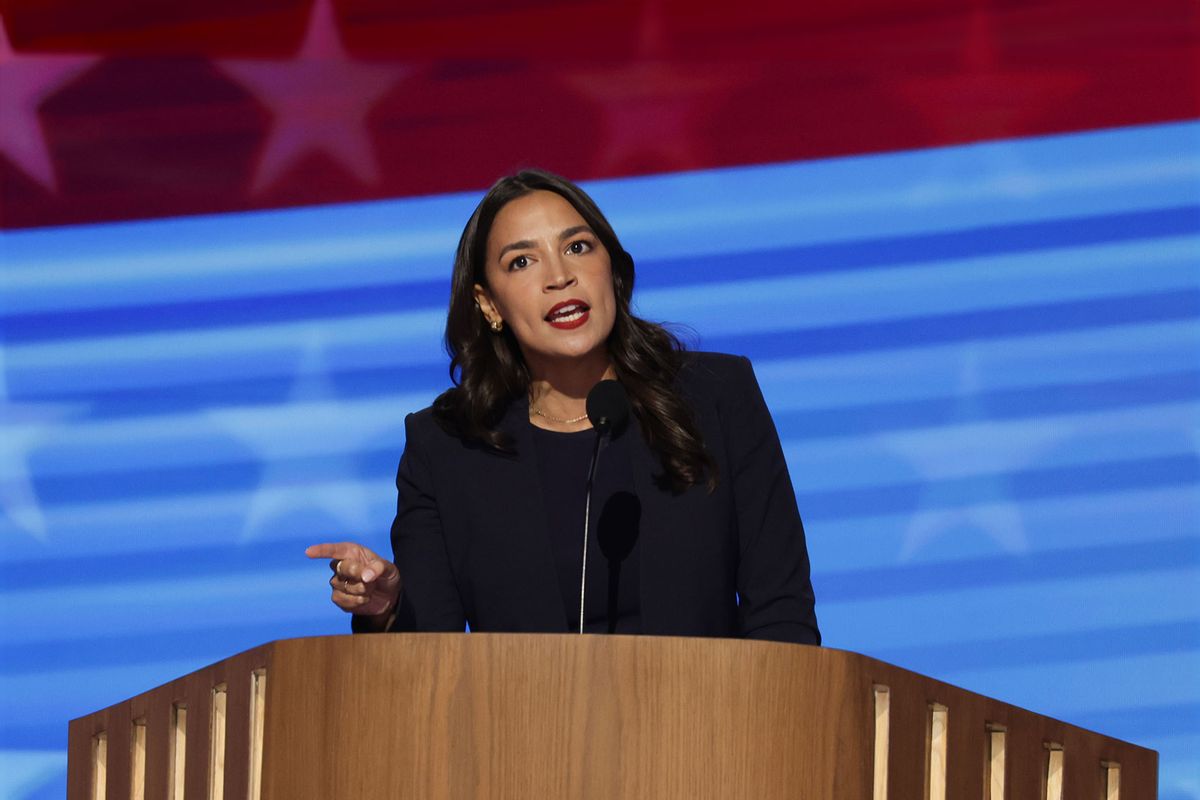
(569, 232)
(521, 245)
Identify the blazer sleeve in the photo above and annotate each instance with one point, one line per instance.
(429, 598)
(774, 587)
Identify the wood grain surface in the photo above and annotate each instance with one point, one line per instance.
(534, 715)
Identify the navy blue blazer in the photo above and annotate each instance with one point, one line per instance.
(471, 543)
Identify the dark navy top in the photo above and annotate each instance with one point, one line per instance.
(612, 600)
(726, 561)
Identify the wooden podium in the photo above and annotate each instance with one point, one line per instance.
(563, 716)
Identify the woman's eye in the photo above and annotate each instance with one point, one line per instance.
(579, 247)
(520, 262)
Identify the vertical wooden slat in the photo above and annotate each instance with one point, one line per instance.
(1112, 780)
(258, 705)
(216, 742)
(882, 732)
(1054, 771)
(996, 741)
(177, 766)
(100, 766)
(939, 720)
(137, 759)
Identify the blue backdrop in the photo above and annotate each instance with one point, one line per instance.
(984, 363)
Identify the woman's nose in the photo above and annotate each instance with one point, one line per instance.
(559, 275)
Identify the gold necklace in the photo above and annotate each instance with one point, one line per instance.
(543, 415)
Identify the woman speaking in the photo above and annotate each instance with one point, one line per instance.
(668, 511)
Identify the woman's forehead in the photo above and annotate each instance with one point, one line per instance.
(532, 216)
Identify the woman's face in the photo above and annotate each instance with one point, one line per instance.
(549, 279)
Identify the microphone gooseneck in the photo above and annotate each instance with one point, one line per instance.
(608, 411)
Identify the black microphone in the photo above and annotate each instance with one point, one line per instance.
(608, 406)
(608, 411)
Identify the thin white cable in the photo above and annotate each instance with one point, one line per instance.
(587, 515)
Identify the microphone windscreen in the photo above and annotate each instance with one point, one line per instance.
(608, 406)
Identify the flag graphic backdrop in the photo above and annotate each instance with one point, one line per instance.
(982, 359)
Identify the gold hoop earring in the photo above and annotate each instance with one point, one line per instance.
(496, 325)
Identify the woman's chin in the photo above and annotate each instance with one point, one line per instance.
(569, 352)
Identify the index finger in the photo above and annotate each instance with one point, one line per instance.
(334, 550)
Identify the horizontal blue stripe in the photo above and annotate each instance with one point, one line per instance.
(254, 310)
(1056, 648)
(249, 229)
(40, 735)
(207, 643)
(1004, 570)
(1143, 723)
(907, 498)
(963, 327)
(276, 387)
(286, 306)
(1008, 404)
(376, 465)
(239, 560)
(900, 251)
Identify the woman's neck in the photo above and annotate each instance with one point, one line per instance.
(559, 392)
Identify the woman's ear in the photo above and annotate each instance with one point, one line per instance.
(483, 301)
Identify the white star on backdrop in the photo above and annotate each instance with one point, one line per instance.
(23, 426)
(961, 451)
(25, 82)
(310, 425)
(653, 108)
(320, 99)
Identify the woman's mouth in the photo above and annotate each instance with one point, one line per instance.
(569, 314)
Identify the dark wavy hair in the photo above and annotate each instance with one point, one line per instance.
(489, 371)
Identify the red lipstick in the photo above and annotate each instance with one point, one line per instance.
(568, 314)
